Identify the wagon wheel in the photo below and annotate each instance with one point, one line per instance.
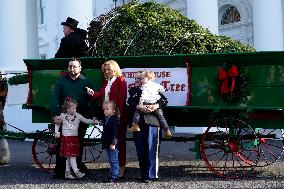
(44, 150)
(228, 147)
(92, 148)
(270, 147)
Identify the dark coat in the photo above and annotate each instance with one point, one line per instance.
(72, 45)
(110, 131)
(76, 89)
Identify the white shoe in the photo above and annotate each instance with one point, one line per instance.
(69, 175)
(79, 174)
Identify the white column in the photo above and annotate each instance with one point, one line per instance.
(102, 7)
(13, 35)
(267, 25)
(32, 29)
(81, 11)
(18, 34)
(205, 13)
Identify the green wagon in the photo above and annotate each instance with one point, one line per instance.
(238, 97)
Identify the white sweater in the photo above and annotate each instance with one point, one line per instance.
(70, 123)
(150, 92)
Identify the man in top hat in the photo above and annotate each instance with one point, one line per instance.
(73, 43)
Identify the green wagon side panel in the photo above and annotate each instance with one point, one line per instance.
(265, 76)
(96, 77)
(42, 86)
(43, 83)
(266, 86)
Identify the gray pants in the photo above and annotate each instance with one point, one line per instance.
(158, 113)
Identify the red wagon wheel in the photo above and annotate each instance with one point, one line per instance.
(44, 150)
(228, 147)
(270, 143)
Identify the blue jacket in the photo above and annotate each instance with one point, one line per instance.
(110, 131)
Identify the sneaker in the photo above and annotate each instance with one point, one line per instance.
(168, 134)
(134, 127)
(68, 175)
(58, 176)
(153, 179)
(108, 180)
(79, 174)
(144, 180)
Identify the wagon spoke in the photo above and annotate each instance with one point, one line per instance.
(264, 157)
(230, 152)
(43, 149)
(213, 154)
(270, 151)
(42, 145)
(216, 163)
(224, 168)
(240, 163)
(271, 131)
(270, 147)
(43, 152)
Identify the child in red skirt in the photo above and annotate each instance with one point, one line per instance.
(70, 146)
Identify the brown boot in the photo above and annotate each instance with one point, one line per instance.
(134, 127)
(168, 134)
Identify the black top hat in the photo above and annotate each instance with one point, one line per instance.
(72, 23)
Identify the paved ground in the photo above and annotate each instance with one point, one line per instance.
(179, 169)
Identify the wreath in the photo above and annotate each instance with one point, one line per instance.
(233, 84)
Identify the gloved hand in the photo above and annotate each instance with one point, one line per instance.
(168, 135)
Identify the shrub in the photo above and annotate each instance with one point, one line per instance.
(153, 29)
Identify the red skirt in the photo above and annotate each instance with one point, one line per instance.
(70, 146)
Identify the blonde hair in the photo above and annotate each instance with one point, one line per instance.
(114, 66)
(113, 105)
(148, 74)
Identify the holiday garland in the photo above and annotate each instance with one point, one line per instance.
(233, 84)
(18, 79)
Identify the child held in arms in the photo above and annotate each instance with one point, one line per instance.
(150, 97)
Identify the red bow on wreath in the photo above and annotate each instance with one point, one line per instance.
(64, 73)
(224, 76)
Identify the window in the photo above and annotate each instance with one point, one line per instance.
(119, 2)
(230, 16)
(41, 8)
(42, 56)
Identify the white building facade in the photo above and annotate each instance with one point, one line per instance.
(32, 29)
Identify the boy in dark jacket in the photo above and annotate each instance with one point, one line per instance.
(109, 138)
